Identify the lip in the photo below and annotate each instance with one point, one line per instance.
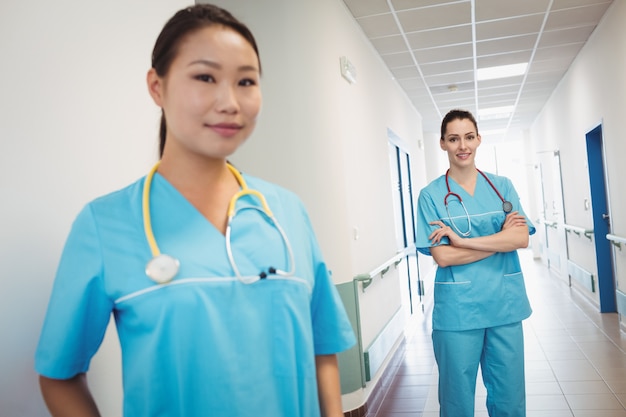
(226, 129)
(463, 155)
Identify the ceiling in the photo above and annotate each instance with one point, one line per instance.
(434, 48)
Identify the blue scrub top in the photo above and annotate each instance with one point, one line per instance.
(206, 343)
(481, 294)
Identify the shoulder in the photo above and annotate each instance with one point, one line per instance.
(116, 204)
(498, 180)
(435, 187)
(272, 191)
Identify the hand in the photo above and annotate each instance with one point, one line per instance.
(443, 231)
(513, 219)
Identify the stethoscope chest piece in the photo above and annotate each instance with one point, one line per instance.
(507, 207)
(162, 268)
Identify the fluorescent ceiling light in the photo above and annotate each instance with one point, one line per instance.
(502, 71)
(495, 113)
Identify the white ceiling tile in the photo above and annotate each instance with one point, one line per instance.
(416, 4)
(398, 60)
(379, 25)
(499, 9)
(504, 45)
(440, 37)
(565, 36)
(568, 4)
(558, 52)
(450, 79)
(449, 14)
(508, 27)
(360, 8)
(578, 16)
(405, 72)
(447, 53)
(447, 67)
(389, 44)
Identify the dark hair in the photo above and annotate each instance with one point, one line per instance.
(454, 115)
(183, 23)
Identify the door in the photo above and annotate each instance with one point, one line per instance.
(601, 220)
(554, 250)
(404, 205)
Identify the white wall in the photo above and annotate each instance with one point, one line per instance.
(593, 91)
(76, 121)
(327, 140)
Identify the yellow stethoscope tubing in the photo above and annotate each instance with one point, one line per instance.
(173, 263)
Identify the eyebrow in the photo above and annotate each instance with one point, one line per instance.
(218, 66)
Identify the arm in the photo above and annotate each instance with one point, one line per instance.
(328, 385)
(513, 236)
(448, 255)
(68, 397)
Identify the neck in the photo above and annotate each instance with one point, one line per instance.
(463, 175)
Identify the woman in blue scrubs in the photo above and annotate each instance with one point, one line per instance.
(232, 317)
(472, 224)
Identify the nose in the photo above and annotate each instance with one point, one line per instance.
(226, 99)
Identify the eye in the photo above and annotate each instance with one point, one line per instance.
(247, 82)
(471, 137)
(205, 78)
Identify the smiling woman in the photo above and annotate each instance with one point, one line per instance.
(472, 223)
(200, 334)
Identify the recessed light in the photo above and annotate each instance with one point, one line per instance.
(502, 71)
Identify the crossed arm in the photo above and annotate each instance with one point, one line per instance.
(461, 251)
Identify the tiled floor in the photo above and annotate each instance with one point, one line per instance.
(575, 358)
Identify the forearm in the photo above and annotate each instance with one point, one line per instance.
(506, 240)
(329, 385)
(446, 255)
(68, 397)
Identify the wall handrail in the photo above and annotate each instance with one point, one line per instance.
(588, 233)
(366, 279)
(547, 223)
(616, 240)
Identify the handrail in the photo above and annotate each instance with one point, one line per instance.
(588, 233)
(616, 240)
(553, 225)
(366, 279)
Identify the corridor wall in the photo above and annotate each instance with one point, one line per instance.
(592, 92)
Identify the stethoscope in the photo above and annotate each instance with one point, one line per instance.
(506, 205)
(162, 268)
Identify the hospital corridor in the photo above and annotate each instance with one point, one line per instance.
(575, 358)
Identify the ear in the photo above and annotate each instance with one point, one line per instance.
(442, 144)
(479, 139)
(155, 86)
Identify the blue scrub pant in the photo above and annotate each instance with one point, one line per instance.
(500, 352)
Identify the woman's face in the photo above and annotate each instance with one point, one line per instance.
(211, 94)
(460, 142)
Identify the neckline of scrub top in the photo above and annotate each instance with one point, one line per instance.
(182, 203)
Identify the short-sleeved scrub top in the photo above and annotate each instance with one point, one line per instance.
(481, 294)
(205, 344)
